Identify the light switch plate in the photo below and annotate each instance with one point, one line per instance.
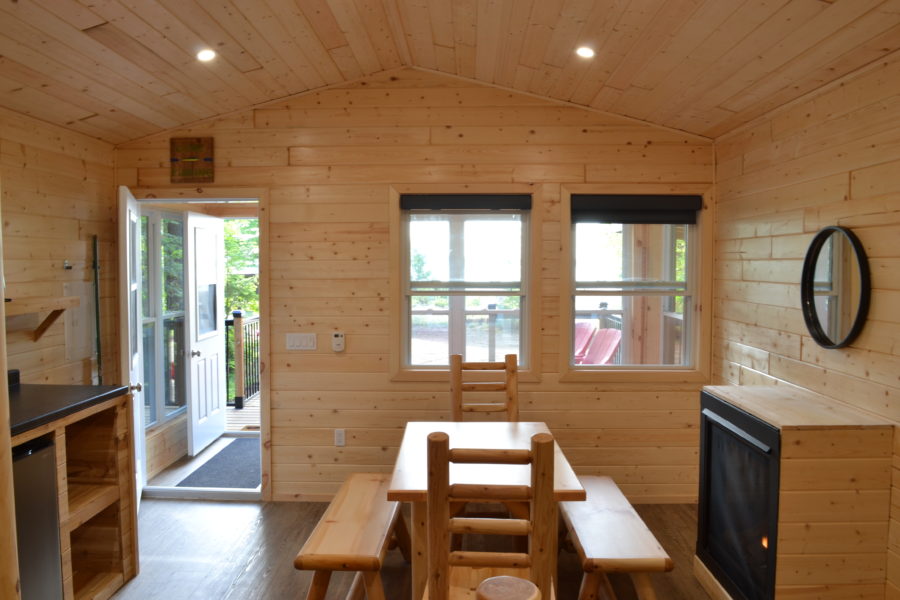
(300, 341)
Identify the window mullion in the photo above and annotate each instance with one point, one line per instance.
(156, 303)
(457, 267)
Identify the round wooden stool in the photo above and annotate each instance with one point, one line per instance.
(504, 587)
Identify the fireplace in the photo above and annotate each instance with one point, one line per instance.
(738, 499)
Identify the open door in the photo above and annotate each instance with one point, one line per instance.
(205, 310)
(131, 347)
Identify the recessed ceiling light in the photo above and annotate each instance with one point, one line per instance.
(206, 55)
(585, 52)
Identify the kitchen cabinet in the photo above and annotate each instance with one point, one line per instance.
(91, 429)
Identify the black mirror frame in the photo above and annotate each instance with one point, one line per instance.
(807, 300)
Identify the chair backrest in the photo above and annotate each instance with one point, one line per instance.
(506, 373)
(540, 526)
(584, 333)
(603, 347)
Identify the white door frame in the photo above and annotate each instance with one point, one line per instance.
(259, 197)
(130, 341)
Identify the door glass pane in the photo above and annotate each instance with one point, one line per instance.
(134, 307)
(205, 268)
(206, 309)
(149, 383)
(133, 324)
(172, 255)
(173, 351)
(145, 265)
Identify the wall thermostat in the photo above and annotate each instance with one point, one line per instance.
(337, 341)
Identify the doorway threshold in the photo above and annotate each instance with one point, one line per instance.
(166, 484)
(192, 493)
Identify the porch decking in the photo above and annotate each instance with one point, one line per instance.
(245, 419)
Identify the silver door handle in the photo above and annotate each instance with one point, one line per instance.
(195, 353)
(136, 387)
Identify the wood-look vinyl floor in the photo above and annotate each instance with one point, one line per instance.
(200, 550)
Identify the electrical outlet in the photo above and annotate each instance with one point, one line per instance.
(339, 438)
(337, 341)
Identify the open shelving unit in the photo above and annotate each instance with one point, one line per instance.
(98, 476)
(95, 483)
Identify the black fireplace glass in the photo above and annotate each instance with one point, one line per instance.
(738, 499)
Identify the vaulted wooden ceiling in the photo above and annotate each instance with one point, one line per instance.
(122, 69)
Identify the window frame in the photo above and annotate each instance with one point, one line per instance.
(700, 257)
(662, 287)
(456, 311)
(530, 342)
(157, 316)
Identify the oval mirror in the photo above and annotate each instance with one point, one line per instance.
(834, 287)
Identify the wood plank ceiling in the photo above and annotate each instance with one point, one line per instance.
(122, 69)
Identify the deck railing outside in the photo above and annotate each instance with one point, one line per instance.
(490, 332)
(242, 357)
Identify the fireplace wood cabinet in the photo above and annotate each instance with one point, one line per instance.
(833, 496)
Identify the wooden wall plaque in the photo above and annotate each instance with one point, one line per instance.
(192, 160)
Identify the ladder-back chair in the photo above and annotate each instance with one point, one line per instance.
(506, 372)
(454, 575)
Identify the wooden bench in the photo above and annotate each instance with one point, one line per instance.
(354, 534)
(610, 537)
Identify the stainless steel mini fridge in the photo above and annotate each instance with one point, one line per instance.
(37, 520)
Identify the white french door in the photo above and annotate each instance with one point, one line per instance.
(205, 311)
(131, 347)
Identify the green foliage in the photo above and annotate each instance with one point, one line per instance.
(242, 292)
(172, 265)
(420, 273)
(242, 265)
(680, 266)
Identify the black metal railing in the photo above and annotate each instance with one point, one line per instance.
(242, 358)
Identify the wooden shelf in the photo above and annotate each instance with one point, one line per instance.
(52, 305)
(86, 500)
(36, 304)
(100, 520)
(97, 585)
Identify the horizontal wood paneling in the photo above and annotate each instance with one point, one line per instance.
(58, 191)
(330, 268)
(831, 159)
(165, 444)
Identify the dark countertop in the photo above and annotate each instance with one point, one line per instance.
(34, 404)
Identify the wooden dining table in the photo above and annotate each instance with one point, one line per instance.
(409, 482)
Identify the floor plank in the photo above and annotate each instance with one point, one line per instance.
(244, 419)
(200, 550)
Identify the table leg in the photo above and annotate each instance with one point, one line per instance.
(554, 550)
(419, 536)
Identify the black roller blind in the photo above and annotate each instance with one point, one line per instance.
(465, 202)
(636, 208)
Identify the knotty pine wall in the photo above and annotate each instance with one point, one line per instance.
(327, 163)
(831, 159)
(58, 190)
